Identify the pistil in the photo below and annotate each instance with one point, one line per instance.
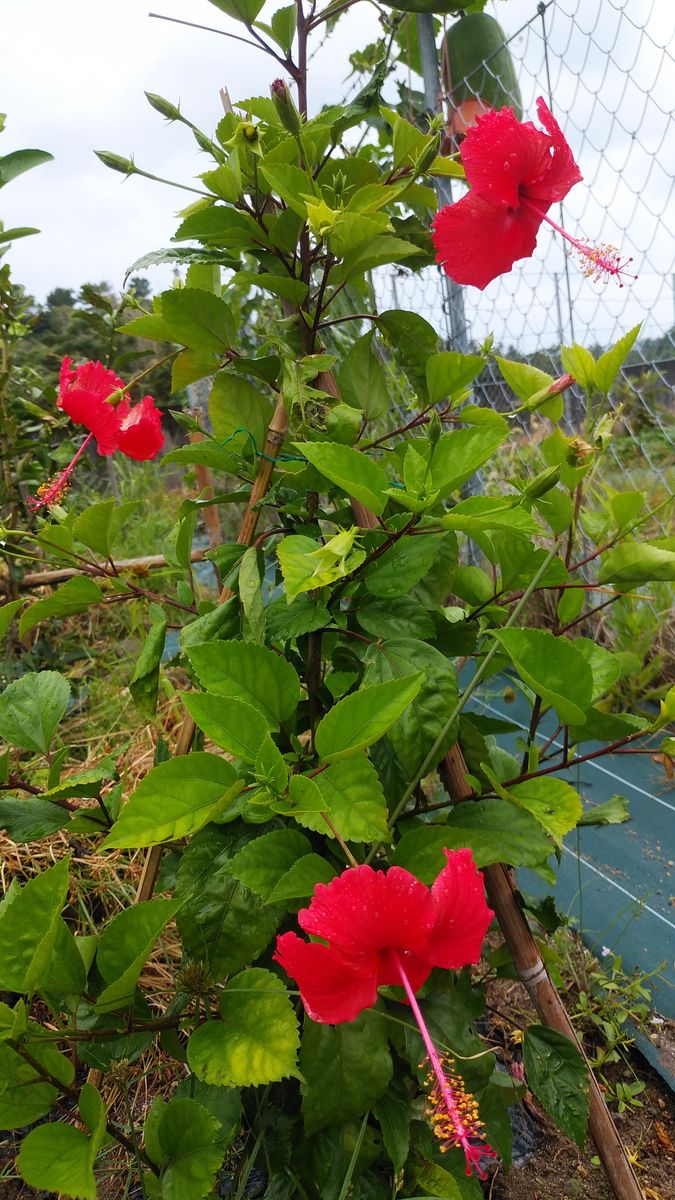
(597, 262)
(53, 491)
(453, 1111)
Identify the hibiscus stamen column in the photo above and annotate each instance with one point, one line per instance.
(53, 491)
(454, 1112)
(597, 262)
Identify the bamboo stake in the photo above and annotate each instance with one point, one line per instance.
(147, 562)
(534, 976)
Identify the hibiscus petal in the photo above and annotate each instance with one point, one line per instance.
(417, 970)
(502, 155)
(97, 415)
(363, 911)
(563, 171)
(477, 241)
(140, 431)
(462, 915)
(331, 991)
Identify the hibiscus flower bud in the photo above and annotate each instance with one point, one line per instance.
(428, 155)
(116, 162)
(560, 385)
(285, 106)
(164, 107)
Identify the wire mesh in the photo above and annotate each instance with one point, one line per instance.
(606, 69)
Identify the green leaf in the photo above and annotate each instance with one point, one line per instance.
(307, 565)
(175, 799)
(555, 804)
(240, 10)
(29, 925)
(221, 922)
(73, 596)
(363, 717)
(300, 880)
(479, 514)
(30, 818)
(358, 475)
(304, 615)
(350, 793)
(221, 622)
(613, 812)
(523, 379)
(457, 456)
(404, 564)
(59, 1157)
(415, 732)
(605, 666)
(25, 1096)
(207, 454)
(262, 862)
(8, 613)
(235, 726)
(450, 373)
(235, 404)
(346, 1069)
(361, 379)
(198, 319)
(412, 340)
(608, 365)
(580, 363)
(124, 947)
(398, 617)
(556, 670)
(65, 974)
(18, 161)
(98, 526)
(493, 829)
(191, 1148)
(250, 594)
(254, 674)
(392, 1111)
(291, 183)
(31, 708)
(144, 683)
(257, 1040)
(187, 367)
(222, 225)
(633, 563)
(375, 252)
(558, 1076)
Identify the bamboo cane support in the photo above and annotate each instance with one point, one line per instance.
(546, 999)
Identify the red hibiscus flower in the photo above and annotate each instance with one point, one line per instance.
(88, 394)
(516, 173)
(388, 928)
(365, 916)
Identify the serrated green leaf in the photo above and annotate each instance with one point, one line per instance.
(417, 729)
(613, 812)
(350, 793)
(358, 475)
(198, 319)
(250, 673)
(493, 829)
(25, 1096)
(362, 381)
(58, 1156)
(405, 564)
(8, 613)
(412, 341)
(31, 708)
(144, 683)
(555, 804)
(457, 456)
(633, 563)
(346, 1069)
(30, 818)
(237, 727)
(235, 404)
(73, 596)
(188, 1136)
(375, 252)
(608, 365)
(124, 947)
(264, 861)
(580, 363)
(221, 922)
(257, 1040)
(556, 670)
(250, 594)
(29, 924)
(363, 717)
(174, 799)
(300, 880)
(98, 526)
(450, 373)
(558, 1076)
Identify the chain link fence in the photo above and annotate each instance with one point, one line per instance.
(606, 69)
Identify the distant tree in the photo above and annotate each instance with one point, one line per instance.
(61, 298)
(139, 287)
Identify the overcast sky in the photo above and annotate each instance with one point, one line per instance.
(77, 71)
